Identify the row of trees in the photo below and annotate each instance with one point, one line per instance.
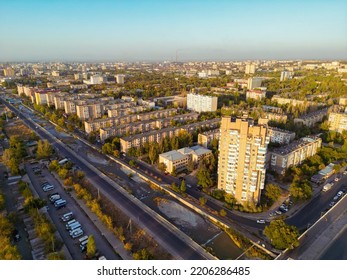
(7, 250)
(13, 156)
(43, 228)
(301, 188)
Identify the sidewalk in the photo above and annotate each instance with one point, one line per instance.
(116, 244)
(325, 239)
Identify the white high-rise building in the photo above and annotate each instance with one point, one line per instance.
(250, 69)
(96, 79)
(201, 103)
(254, 82)
(286, 75)
(120, 78)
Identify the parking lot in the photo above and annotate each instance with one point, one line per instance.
(39, 175)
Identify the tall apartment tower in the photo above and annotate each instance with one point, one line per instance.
(201, 103)
(242, 156)
(250, 69)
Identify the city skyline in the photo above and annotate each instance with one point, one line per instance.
(169, 30)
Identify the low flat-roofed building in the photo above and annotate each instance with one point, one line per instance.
(178, 160)
(323, 174)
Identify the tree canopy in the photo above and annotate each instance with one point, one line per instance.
(281, 235)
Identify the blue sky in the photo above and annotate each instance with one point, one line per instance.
(131, 30)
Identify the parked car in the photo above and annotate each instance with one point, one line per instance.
(340, 193)
(67, 217)
(261, 221)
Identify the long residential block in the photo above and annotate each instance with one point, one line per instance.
(294, 153)
(139, 140)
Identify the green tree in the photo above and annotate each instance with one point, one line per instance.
(222, 213)
(11, 161)
(300, 190)
(91, 246)
(202, 200)
(7, 250)
(63, 172)
(204, 176)
(2, 202)
(107, 149)
(54, 165)
(162, 166)
(153, 153)
(142, 254)
(44, 149)
(281, 235)
(272, 192)
(190, 166)
(183, 187)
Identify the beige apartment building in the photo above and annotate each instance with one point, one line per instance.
(95, 125)
(205, 138)
(242, 156)
(178, 159)
(312, 118)
(89, 111)
(337, 122)
(281, 118)
(45, 97)
(280, 136)
(343, 101)
(144, 126)
(126, 111)
(294, 153)
(136, 141)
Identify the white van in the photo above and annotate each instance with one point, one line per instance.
(76, 233)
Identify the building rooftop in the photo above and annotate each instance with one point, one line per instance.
(173, 155)
(313, 114)
(295, 145)
(280, 130)
(327, 170)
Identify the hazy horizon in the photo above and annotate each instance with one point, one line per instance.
(155, 31)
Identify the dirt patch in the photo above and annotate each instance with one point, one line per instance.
(18, 129)
(96, 159)
(178, 213)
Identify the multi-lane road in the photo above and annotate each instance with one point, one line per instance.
(178, 246)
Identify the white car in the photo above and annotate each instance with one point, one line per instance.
(261, 221)
(340, 193)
